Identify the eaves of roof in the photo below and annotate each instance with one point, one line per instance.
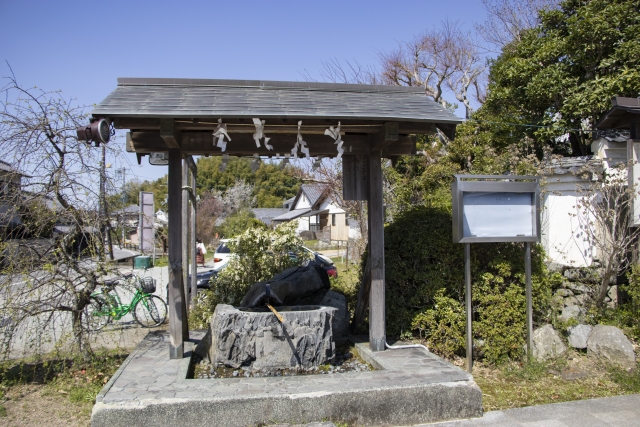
(199, 98)
(624, 111)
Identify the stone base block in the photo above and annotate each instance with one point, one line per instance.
(258, 339)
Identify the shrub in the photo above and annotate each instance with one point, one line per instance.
(627, 315)
(420, 259)
(425, 286)
(238, 222)
(259, 254)
(443, 325)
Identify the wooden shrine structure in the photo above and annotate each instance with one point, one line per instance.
(185, 117)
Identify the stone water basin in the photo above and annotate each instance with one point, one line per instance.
(256, 339)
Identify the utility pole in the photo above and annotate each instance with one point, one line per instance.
(103, 203)
(123, 171)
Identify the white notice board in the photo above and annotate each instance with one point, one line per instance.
(492, 214)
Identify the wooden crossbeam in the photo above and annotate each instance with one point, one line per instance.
(169, 133)
(201, 143)
(386, 138)
(273, 126)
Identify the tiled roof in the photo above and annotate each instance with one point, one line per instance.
(266, 215)
(6, 166)
(313, 192)
(289, 215)
(242, 98)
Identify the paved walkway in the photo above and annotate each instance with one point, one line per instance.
(619, 411)
(150, 389)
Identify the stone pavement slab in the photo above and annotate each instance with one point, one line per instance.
(414, 386)
(618, 411)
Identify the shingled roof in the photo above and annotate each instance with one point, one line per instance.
(205, 98)
(624, 111)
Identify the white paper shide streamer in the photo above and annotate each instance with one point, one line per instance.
(259, 124)
(335, 134)
(300, 144)
(220, 133)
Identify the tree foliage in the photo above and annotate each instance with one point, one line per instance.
(259, 254)
(271, 185)
(563, 73)
(238, 222)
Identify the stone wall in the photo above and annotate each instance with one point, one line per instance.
(578, 289)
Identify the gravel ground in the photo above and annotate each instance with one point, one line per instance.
(343, 362)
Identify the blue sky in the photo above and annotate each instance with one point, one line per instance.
(81, 48)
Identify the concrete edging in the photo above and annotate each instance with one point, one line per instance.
(413, 387)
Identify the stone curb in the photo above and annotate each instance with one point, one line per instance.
(104, 390)
(414, 386)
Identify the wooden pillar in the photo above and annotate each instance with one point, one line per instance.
(185, 231)
(377, 334)
(194, 266)
(177, 318)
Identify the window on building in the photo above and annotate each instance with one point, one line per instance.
(333, 220)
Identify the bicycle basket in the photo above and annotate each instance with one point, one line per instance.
(147, 285)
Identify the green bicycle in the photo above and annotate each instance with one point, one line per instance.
(105, 304)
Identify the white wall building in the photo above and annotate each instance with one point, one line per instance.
(563, 236)
(314, 210)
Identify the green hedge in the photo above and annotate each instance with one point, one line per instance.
(425, 286)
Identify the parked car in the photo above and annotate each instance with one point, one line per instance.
(322, 261)
(221, 255)
(202, 280)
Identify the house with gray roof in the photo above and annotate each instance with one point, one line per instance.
(267, 215)
(315, 210)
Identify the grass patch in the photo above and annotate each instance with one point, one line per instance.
(161, 261)
(536, 383)
(69, 382)
(628, 381)
(347, 283)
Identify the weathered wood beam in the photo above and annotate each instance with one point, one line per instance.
(377, 331)
(185, 239)
(385, 139)
(201, 143)
(194, 265)
(363, 298)
(176, 292)
(355, 177)
(274, 126)
(191, 164)
(169, 133)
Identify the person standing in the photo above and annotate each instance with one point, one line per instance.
(201, 251)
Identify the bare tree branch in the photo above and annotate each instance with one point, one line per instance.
(509, 19)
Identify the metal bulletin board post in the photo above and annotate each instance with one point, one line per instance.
(496, 208)
(467, 280)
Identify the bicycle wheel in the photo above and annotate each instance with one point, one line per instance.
(95, 315)
(150, 311)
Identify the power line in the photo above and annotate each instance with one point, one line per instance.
(531, 125)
